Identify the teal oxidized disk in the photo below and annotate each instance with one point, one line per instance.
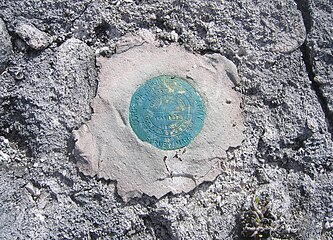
(166, 112)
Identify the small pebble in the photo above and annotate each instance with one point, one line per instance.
(328, 224)
(32, 36)
(174, 36)
(103, 51)
(35, 192)
(4, 156)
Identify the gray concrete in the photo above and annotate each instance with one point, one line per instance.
(285, 159)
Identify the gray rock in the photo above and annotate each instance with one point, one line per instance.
(35, 192)
(318, 15)
(4, 157)
(286, 131)
(6, 46)
(62, 87)
(31, 35)
(18, 211)
(76, 78)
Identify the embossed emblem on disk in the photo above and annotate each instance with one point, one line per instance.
(166, 112)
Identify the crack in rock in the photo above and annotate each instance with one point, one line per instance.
(193, 177)
(304, 7)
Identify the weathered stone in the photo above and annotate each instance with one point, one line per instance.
(318, 15)
(35, 192)
(286, 134)
(32, 36)
(59, 95)
(6, 46)
(107, 146)
(76, 74)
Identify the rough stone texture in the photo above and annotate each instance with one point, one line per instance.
(108, 147)
(6, 46)
(318, 54)
(286, 155)
(318, 50)
(58, 95)
(31, 35)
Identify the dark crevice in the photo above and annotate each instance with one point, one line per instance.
(159, 226)
(11, 118)
(306, 51)
(80, 14)
(305, 8)
(208, 51)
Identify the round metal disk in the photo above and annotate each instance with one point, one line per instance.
(166, 112)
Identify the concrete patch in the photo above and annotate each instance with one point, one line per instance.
(108, 147)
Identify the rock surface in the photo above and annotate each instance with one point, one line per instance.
(6, 46)
(318, 49)
(318, 55)
(285, 159)
(32, 36)
(108, 147)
